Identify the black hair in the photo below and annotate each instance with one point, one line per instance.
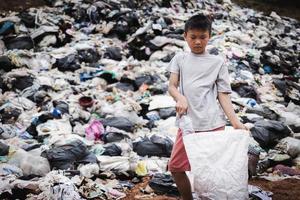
(199, 21)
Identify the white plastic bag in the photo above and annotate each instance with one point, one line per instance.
(219, 164)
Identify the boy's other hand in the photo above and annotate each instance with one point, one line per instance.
(240, 125)
(181, 106)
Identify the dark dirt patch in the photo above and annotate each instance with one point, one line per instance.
(19, 5)
(137, 194)
(288, 8)
(288, 189)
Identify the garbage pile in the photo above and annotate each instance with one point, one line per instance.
(84, 107)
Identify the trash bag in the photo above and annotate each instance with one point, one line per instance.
(113, 53)
(165, 113)
(289, 145)
(62, 106)
(163, 184)
(125, 86)
(112, 150)
(7, 27)
(37, 121)
(266, 112)
(114, 163)
(29, 163)
(68, 63)
(4, 149)
(219, 163)
(153, 146)
(9, 114)
(245, 90)
(268, 133)
(22, 42)
(89, 170)
(22, 82)
(66, 156)
(6, 64)
(27, 19)
(113, 137)
(88, 55)
(119, 122)
(146, 79)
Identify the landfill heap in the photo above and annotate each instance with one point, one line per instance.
(84, 106)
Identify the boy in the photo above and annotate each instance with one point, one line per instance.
(203, 78)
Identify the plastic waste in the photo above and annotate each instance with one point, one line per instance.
(30, 164)
(141, 169)
(248, 102)
(186, 125)
(268, 133)
(290, 146)
(95, 130)
(4, 149)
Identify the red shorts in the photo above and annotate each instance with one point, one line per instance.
(179, 161)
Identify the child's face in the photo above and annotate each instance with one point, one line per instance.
(197, 40)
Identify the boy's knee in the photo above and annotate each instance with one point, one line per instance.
(178, 174)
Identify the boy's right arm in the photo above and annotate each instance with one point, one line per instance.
(181, 102)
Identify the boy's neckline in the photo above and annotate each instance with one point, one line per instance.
(205, 53)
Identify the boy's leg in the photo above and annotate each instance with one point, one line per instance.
(178, 165)
(183, 184)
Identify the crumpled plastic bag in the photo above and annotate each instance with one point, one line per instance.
(119, 122)
(290, 146)
(268, 133)
(30, 164)
(219, 163)
(68, 155)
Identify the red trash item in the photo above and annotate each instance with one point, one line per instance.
(86, 101)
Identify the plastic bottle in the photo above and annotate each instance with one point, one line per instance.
(249, 102)
(186, 125)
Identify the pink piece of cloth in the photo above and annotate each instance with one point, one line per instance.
(95, 130)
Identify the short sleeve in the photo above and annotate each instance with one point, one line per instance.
(173, 66)
(223, 81)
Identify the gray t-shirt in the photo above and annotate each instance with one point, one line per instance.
(202, 77)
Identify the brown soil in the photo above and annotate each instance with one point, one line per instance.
(136, 193)
(288, 189)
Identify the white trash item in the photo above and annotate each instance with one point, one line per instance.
(219, 164)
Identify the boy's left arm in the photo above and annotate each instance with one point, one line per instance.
(227, 106)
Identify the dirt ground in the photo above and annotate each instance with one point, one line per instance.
(288, 189)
